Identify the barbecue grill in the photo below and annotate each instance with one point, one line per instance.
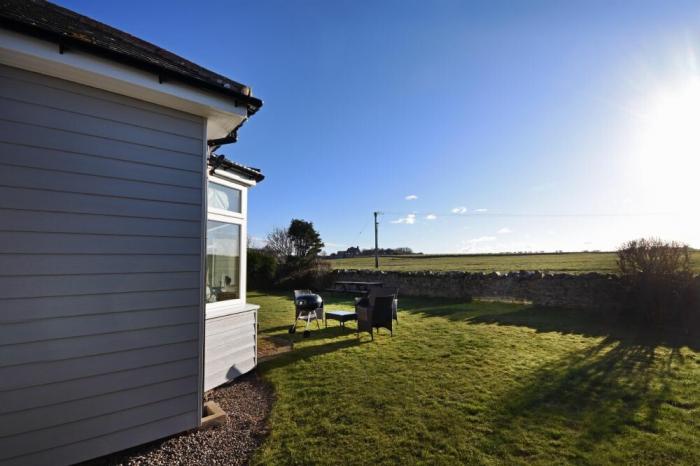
(308, 307)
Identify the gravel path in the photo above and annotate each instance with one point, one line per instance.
(248, 401)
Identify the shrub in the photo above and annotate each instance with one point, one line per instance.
(304, 272)
(657, 276)
(262, 269)
(653, 257)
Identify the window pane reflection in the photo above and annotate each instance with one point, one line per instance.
(223, 261)
(224, 198)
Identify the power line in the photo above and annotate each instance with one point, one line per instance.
(361, 231)
(539, 215)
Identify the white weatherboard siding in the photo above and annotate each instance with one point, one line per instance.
(42, 56)
(100, 270)
(230, 346)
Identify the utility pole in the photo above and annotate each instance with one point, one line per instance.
(376, 241)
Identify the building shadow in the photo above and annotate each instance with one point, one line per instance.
(309, 352)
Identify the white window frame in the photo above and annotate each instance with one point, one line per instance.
(229, 306)
(230, 184)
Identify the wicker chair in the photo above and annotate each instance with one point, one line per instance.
(363, 302)
(378, 314)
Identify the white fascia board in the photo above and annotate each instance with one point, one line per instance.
(40, 56)
(234, 177)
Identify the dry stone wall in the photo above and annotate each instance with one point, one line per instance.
(590, 290)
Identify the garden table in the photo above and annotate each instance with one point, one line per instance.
(340, 316)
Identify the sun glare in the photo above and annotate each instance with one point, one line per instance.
(664, 160)
(668, 146)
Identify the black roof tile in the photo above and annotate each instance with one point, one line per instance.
(220, 161)
(70, 29)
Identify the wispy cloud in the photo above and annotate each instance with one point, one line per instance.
(411, 197)
(482, 239)
(459, 210)
(409, 219)
(481, 210)
(504, 231)
(430, 217)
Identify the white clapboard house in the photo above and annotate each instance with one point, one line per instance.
(122, 237)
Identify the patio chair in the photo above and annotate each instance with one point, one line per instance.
(378, 314)
(308, 307)
(364, 301)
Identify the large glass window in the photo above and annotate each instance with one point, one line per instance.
(223, 261)
(224, 198)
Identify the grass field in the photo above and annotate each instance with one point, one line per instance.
(480, 383)
(577, 262)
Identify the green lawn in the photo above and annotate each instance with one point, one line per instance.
(578, 262)
(484, 383)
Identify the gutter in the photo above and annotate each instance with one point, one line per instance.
(231, 138)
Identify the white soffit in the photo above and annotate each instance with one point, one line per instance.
(234, 177)
(43, 57)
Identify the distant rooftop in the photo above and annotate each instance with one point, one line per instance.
(70, 29)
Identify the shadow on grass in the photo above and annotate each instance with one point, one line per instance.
(308, 352)
(458, 310)
(591, 324)
(589, 396)
(278, 328)
(621, 383)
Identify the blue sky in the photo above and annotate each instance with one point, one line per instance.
(516, 125)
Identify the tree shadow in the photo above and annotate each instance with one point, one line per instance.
(592, 324)
(591, 395)
(586, 397)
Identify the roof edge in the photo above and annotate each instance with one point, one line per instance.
(65, 43)
(221, 162)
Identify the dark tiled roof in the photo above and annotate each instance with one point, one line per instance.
(70, 29)
(220, 161)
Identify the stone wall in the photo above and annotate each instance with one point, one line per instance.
(590, 290)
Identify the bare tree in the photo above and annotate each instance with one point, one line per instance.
(652, 256)
(280, 244)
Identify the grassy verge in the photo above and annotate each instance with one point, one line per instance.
(579, 262)
(485, 383)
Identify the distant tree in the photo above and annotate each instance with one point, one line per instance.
(290, 259)
(305, 239)
(279, 244)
